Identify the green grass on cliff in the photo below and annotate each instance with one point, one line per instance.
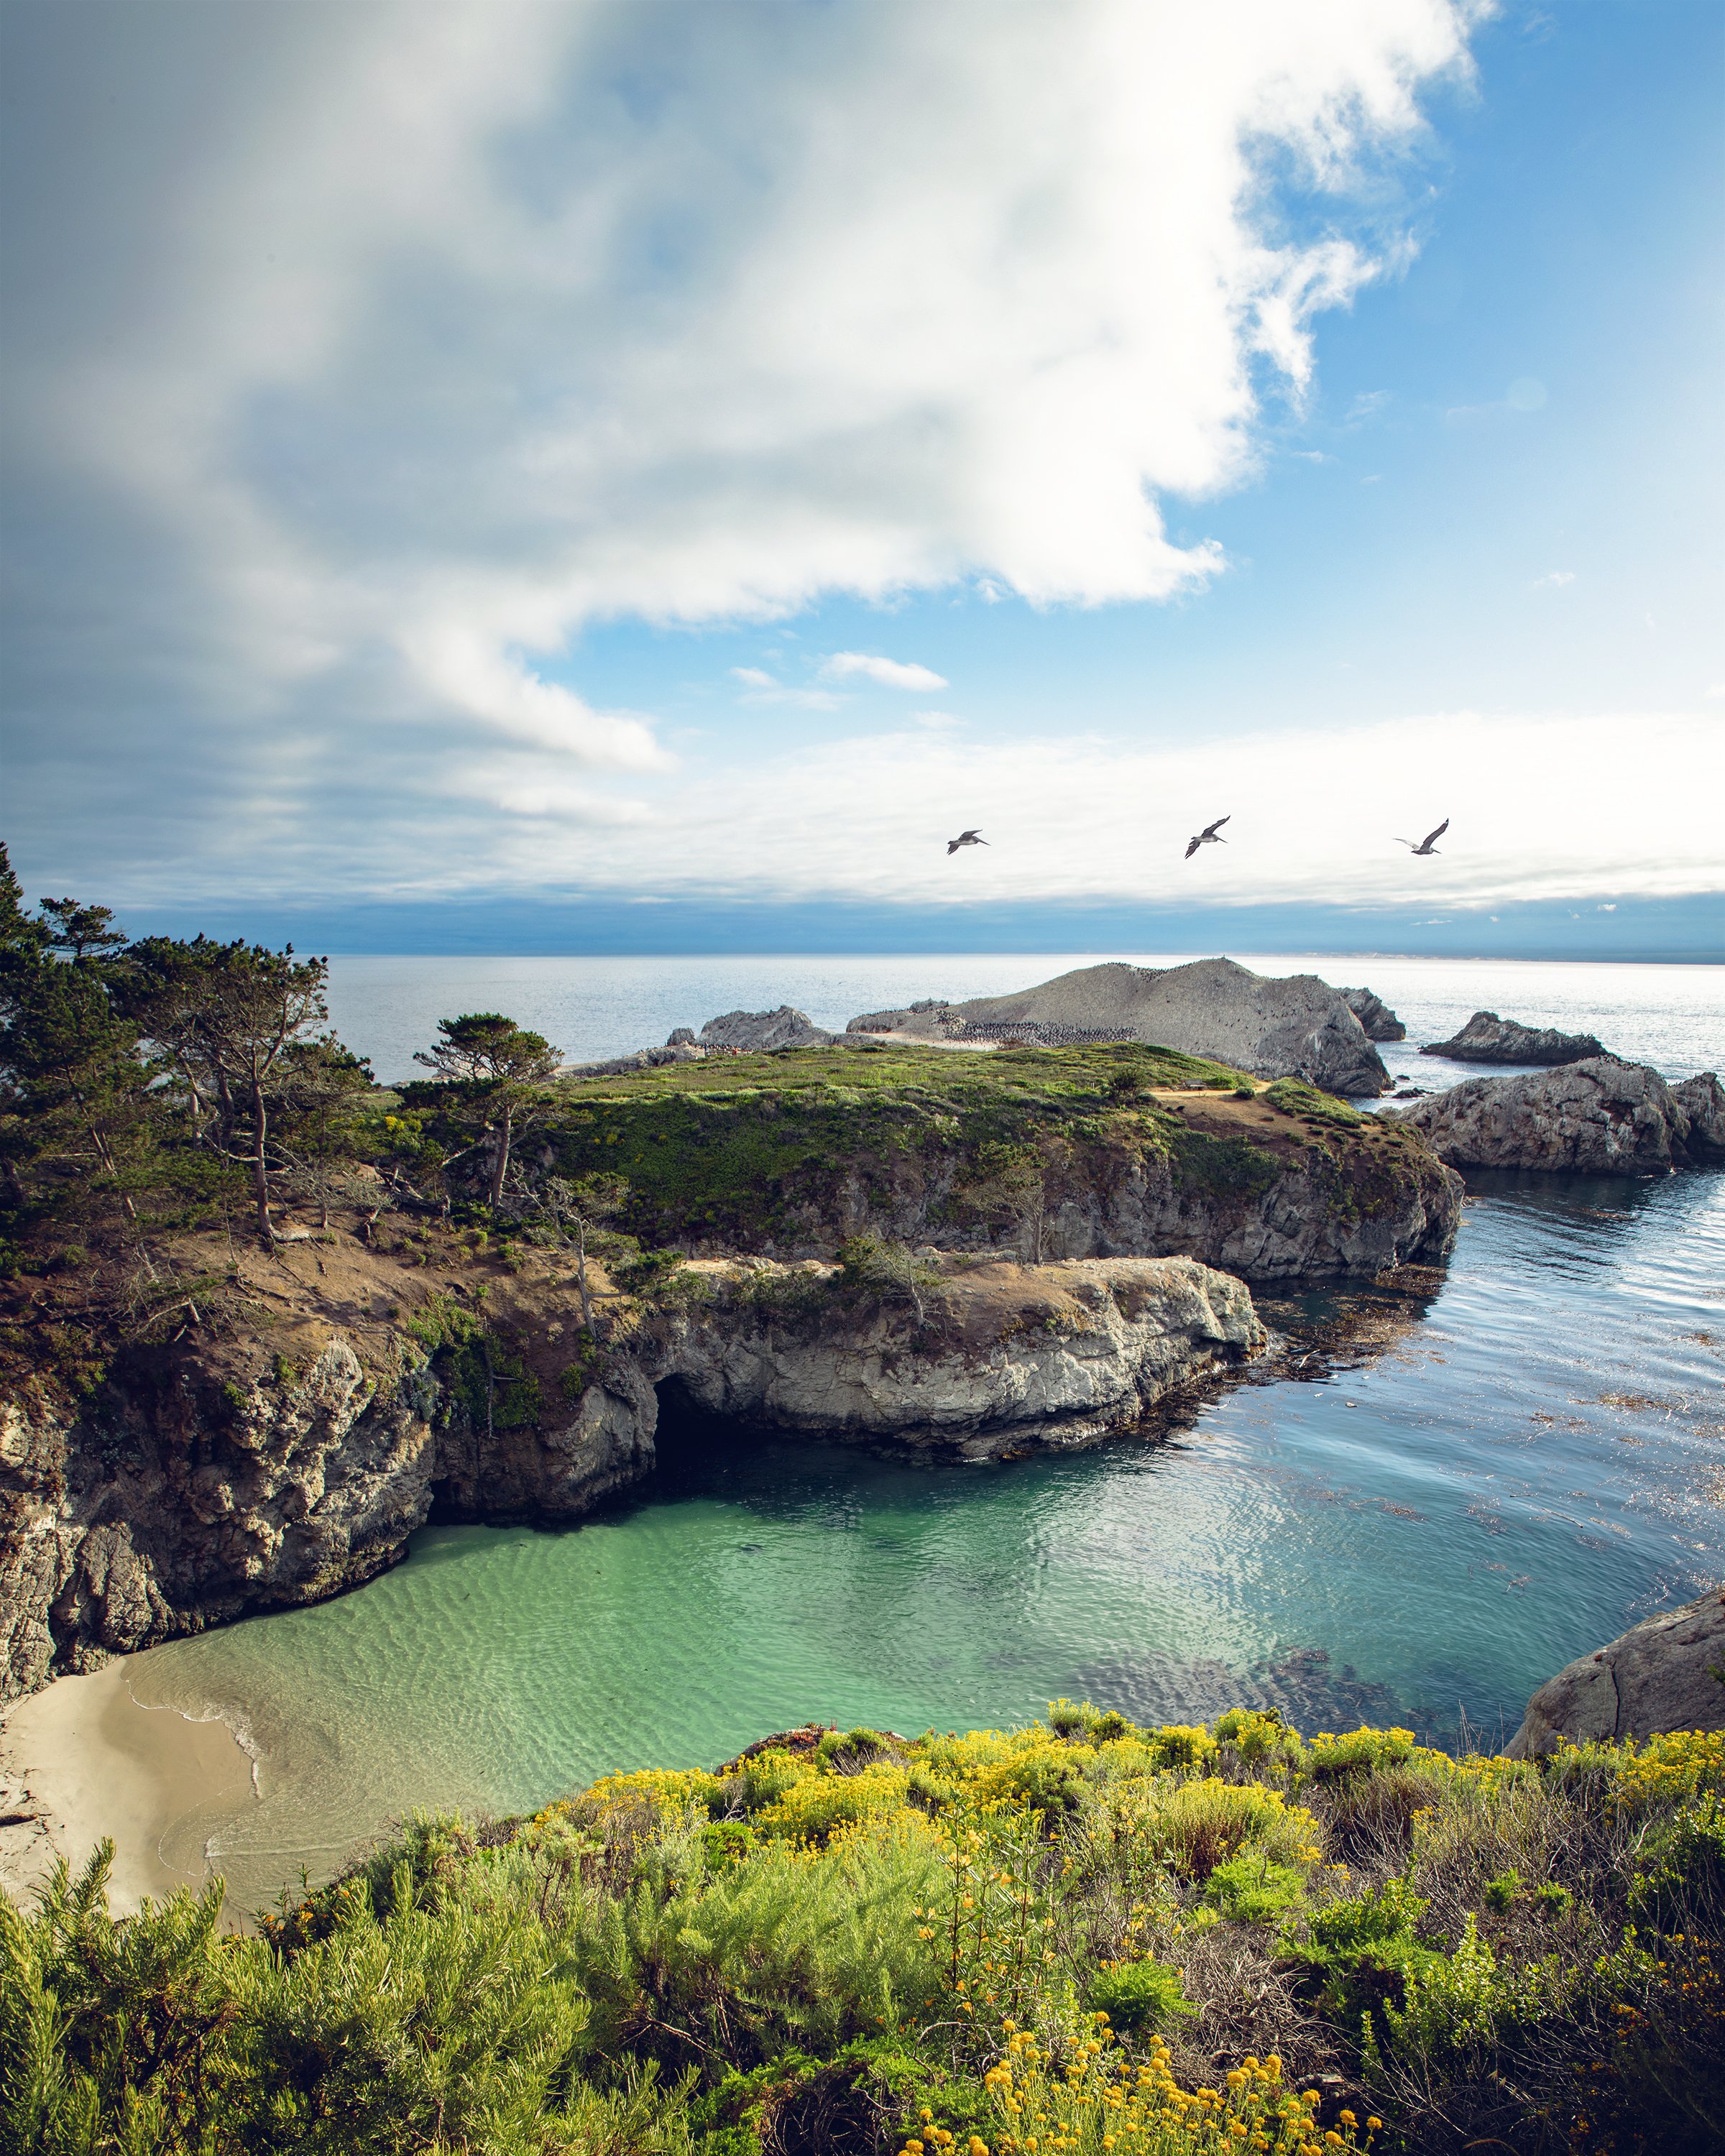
(771, 1147)
(1082, 1939)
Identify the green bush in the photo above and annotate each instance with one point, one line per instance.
(1140, 1994)
(1252, 1888)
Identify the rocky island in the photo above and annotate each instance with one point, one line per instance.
(1297, 1027)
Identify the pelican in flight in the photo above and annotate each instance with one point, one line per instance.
(965, 839)
(1424, 846)
(1208, 836)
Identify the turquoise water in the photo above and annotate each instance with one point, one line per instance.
(1523, 1469)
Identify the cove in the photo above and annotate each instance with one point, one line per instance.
(1421, 1538)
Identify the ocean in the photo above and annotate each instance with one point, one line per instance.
(1418, 1533)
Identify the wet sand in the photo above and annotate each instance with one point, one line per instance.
(82, 1760)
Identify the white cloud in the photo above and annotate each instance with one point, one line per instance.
(753, 677)
(1314, 812)
(1553, 581)
(379, 349)
(936, 722)
(761, 687)
(886, 673)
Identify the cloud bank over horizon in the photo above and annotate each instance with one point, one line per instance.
(364, 360)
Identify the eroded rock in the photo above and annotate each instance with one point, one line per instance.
(206, 1480)
(1378, 1021)
(1659, 1675)
(1488, 1038)
(754, 1030)
(1602, 1116)
(1299, 1027)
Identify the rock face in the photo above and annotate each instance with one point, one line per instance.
(1378, 1021)
(201, 1484)
(1297, 1028)
(783, 1027)
(1702, 1100)
(1658, 1677)
(1488, 1038)
(1601, 1117)
(1007, 1356)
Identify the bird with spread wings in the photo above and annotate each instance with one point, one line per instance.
(1211, 835)
(965, 839)
(1424, 846)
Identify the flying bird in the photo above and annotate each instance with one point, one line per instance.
(1207, 836)
(965, 839)
(1424, 846)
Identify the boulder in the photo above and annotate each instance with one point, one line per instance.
(1661, 1675)
(1702, 1100)
(750, 1030)
(1295, 1028)
(1600, 1117)
(1488, 1038)
(1379, 1021)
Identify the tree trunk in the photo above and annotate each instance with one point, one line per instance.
(500, 1166)
(581, 1274)
(261, 1173)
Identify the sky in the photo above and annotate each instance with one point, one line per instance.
(599, 474)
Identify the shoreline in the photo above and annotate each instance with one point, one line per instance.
(82, 1759)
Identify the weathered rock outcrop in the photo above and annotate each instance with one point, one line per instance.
(1377, 1020)
(1007, 1356)
(204, 1481)
(1602, 1116)
(1661, 1675)
(751, 1030)
(1296, 1028)
(1488, 1038)
(1702, 1100)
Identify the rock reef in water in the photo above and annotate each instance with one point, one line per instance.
(1299, 1027)
(1377, 1019)
(1660, 1675)
(1602, 1116)
(1488, 1038)
(204, 1481)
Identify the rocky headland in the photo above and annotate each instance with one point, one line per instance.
(1488, 1038)
(1299, 1027)
(1106, 1151)
(349, 1394)
(1601, 1116)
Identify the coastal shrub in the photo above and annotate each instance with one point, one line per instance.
(1255, 1889)
(1358, 1752)
(1140, 1994)
(865, 1945)
(1256, 1741)
(1293, 1096)
(1200, 1824)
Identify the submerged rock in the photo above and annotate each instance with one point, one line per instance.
(1602, 1116)
(1296, 1028)
(1378, 1020)
(1660, 1675)
(1488, 1038)
(754, 1030)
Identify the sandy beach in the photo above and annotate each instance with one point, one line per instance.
(82, 1759)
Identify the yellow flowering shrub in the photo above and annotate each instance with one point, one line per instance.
(1095, 2099)
(1200, 1824)
(662, 1788)
(814, 1805)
